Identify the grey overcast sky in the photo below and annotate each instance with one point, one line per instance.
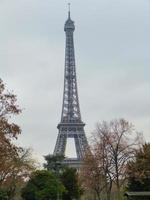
(112, 45)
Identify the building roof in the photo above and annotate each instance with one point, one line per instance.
(146, 193)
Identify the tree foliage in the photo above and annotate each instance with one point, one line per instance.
(43, 185)
(69, 178)
(15, 162)
(94, 174)
(3, 194)
(21, 167)
(139, 170)
(8, 130)
(113, 145)
(54, 163)
(8, 108)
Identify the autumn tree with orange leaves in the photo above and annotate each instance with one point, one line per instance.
(8, 130)
(15, 162)
(113, 145)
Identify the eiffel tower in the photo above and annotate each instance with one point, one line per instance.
(71, 125)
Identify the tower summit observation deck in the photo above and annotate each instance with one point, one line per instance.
(71, 125)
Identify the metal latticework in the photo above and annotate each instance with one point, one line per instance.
(71, 124)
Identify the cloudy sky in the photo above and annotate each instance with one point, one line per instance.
(112, 45)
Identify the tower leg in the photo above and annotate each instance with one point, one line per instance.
(78, 147)
(60, 144)
(81, 144)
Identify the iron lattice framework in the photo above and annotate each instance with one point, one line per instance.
(71, 124)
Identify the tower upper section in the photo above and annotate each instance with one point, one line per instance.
(69, 24)
(70, 108)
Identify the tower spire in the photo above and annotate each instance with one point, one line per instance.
(69, 10)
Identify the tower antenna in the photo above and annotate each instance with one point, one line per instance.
(69, 10)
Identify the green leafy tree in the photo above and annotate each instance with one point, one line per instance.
(69, 179)
(67, 176)
(54, 163)
(43, 185)
(139, 170)
(3, 194)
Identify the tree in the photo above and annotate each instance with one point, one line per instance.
(8, 108)
(15, 162)
(43, 185)
(69, 178)
(54, 163)
(22, 166)
(113, 145)
(8, 130)
(3, 194)
(95, 175)
(138, 170)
